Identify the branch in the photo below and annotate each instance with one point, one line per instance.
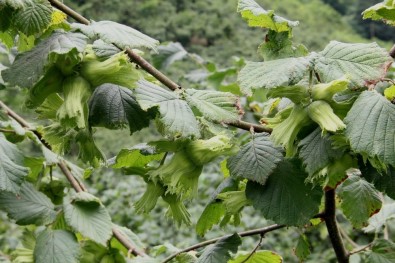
(331, 225)
(77, 186)
(392, 51)
(359, 249)
(151, 69)
(259, 231)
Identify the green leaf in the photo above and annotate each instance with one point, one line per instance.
(384, 11)
(220, 251)
(316, 151)
(383, 251)
(302, 250)
(384, 181)
(372, 119)
(215, 105)
(361, 63)
(279, 45)
(285, 198)
(16, 4)
(25, 73)
(359, 200)
(135, 159)
(113, 107)
(48, 85)
(92, 252)
(28, 207)
(256, 16)
(118, 34)
(104, 50)
(168, 54)
(176, 116)
(260, 256)
(273, 73)
(33, 18)
(234, 202)
(378, 221)
(12, 168)
(6, 14)
(256, 160)
(211, 216)
(85, 214)
(56, 246)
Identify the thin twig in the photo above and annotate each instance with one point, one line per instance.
(254, 250)
(346, 237)
(6, 131)
(259, 231)
(331, 225)
(125, 242)
(77, 186)
(151, 69)
(359, 249)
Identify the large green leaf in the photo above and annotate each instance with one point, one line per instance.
(302, 249)
(384, 11)
(28, 67)
(285, 198)
(316, 151)
(113, 107)
(56, 246)
(176, 116)
(118, 34)
(211, 215)
(260, 256)
(28, 207)
(12, 169)
(383, 251)
(273, 73)
(87, 215)
(220, 251)
(371, 127)
(359, 200)
(168, 54)
(361, 63)
(215, 105)
(256, 160)
(33, 18)
(259, 17)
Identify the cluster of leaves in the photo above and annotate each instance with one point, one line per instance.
(331, 115)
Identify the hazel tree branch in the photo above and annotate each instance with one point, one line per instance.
(151, 69)
(342, 254)
(77, 186)
(259, 231)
